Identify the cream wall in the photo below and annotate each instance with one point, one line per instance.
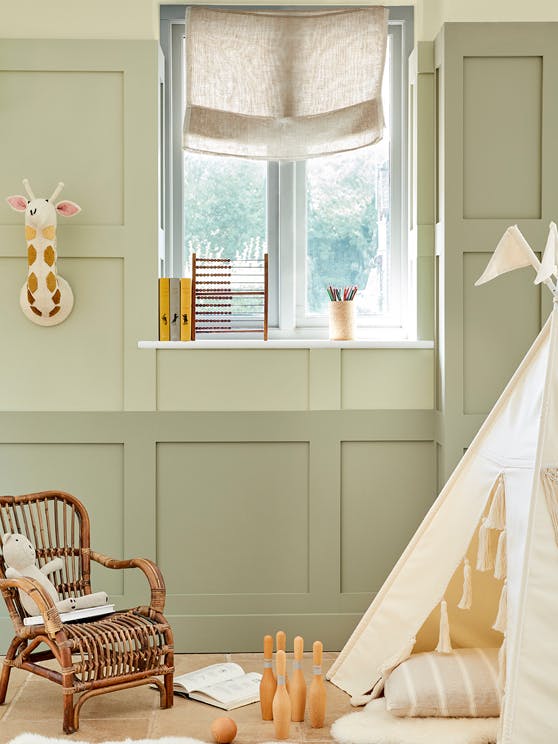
(431, 14)
(79, 19)
(138, 19)
(101, 19)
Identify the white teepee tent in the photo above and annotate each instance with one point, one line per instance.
(504, 490)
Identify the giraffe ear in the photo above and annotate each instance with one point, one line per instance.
(19, 203)
(67, 208)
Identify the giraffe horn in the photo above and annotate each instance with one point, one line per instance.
(28, 188)
(56, 191)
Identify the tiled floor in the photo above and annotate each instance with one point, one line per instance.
(33, 704)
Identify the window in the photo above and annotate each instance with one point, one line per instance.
(337, 220)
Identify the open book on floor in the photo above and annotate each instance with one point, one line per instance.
(225, 685)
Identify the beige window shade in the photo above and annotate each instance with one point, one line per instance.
(283, 85)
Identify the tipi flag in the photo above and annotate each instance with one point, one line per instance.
(512, 252)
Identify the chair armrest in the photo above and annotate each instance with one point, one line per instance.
(44, 602)
(149, 568)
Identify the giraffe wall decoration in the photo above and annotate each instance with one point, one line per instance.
(46, 298)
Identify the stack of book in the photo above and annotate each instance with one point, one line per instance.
(175, 308)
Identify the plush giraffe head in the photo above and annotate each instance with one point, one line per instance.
(46, 298)
(41, 213)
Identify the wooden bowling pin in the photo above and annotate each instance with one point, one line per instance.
(281, 645)
(317, 692)
(281, 701)
(298, 684)
(268, 684)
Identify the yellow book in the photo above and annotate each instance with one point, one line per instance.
(185, 309)
(164, 309)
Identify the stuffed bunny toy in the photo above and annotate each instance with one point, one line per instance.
(20, 556)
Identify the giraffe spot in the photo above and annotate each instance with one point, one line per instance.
(32, 282)
(49, 255)
(51, 282)
(56, 297)
(49, 232)
(36, 311)
(54, 311)
(31, 255)
(30, 298)
(30, 232)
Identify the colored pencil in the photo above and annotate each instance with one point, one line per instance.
(335, 294)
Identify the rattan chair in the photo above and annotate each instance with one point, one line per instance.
(116, 652)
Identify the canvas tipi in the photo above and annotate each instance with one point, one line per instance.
(483, 564)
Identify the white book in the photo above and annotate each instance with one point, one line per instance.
(66, 617)
(226, 686)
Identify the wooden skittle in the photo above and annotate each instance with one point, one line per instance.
(317, 692)
(268, 684)
(281, 645)
(298, 684)
(281, 701)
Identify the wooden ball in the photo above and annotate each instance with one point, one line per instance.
(223, 730)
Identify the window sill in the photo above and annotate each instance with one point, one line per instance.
(302, 343)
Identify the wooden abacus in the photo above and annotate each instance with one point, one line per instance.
(229, 295)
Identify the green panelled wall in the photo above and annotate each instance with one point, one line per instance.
(258, 519)
(274, 487)
(243, 473)
(497, 113)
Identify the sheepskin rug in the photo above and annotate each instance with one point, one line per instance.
(375, 725)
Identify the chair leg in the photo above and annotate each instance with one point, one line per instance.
(7, 668)
(169, 677)
(70, 724)
(70, 721)
(168, 698)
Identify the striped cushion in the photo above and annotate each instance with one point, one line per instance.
(461, 684)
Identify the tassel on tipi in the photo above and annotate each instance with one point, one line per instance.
(500, 624)
(444, 640)
(500, 564)
(467, 595)
(496, 519)
(485, 557)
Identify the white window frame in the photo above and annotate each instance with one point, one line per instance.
(286, 197)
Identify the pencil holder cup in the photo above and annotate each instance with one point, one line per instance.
(341, 321)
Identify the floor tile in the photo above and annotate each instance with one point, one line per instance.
(189, 662)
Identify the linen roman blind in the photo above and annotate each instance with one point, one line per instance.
(283, 85)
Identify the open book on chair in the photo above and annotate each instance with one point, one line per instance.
(226, 686)
(71, 615)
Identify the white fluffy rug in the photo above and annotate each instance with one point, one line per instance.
(374, 725)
